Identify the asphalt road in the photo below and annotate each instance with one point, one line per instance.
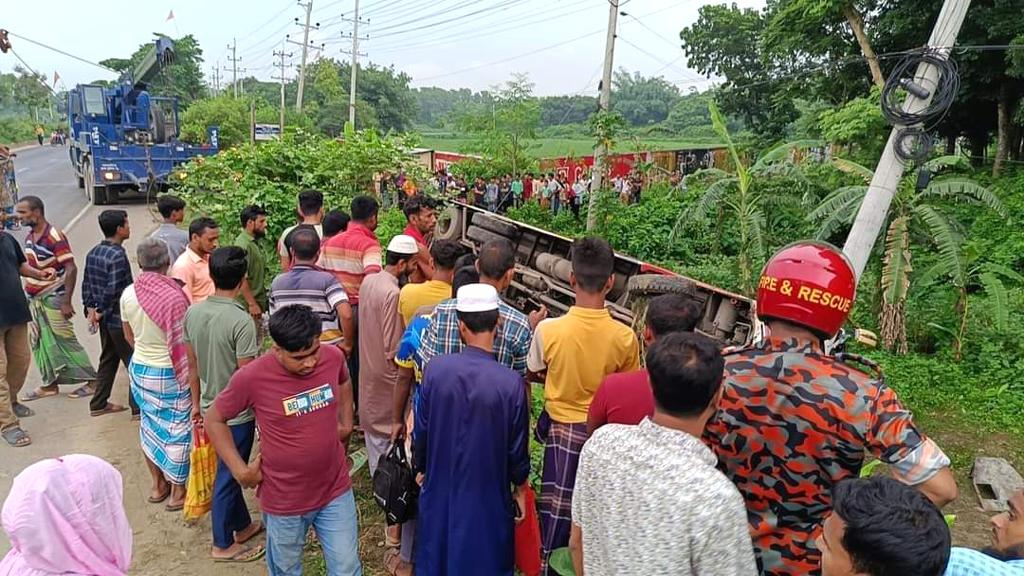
(45, 171)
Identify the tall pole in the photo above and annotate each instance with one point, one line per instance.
(234, 66)
(282, 55)
(305, 52)
(604, 103)
(355, 63)
(875, 208)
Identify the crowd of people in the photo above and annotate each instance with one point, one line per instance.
(700, 462)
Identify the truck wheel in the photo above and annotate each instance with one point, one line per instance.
(97, 195)
(488, 222)
(655, 284)
(81, 182)
(481, 236)
(449, 224)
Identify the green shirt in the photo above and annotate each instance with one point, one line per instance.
(220, 332)
(257, 272)
(517, 188)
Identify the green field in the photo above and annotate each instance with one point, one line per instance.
(552, 147)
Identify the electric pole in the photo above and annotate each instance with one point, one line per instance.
(234, 65)
(305, 51)
(216, 79)
(355, 64)
(875, 208)
(282, 55)
(604, 104)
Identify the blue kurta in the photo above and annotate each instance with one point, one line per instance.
(471, 445)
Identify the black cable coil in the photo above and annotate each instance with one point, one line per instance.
(913, 142)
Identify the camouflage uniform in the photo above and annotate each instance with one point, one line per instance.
(793, 423)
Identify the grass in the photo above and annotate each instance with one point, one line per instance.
(554, 147)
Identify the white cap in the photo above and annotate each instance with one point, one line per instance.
(403, 244)
(476, 298)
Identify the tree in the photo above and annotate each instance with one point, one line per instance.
(506, 128)
(561, 110)
(642, 101)
(30, 90)
(913, 217)
(183, 78)
(967, 274)
(230, 114)
(741, 197)
(605, 126)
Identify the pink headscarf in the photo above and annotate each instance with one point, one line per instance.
(66, 516)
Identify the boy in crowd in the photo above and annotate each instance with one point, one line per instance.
(172, 209)
(301, 396)
(438, 287)
(572, 354)
(628, 473)
(220, 338)
(310, 212)
(253, 293)
(1006, 555)
(192, 268)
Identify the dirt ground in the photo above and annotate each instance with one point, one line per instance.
(164, 545)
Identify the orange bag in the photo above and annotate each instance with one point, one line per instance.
(527, 537)
(201, 474)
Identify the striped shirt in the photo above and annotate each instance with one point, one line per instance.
(319, 290)
(50, 251)
(350, 256)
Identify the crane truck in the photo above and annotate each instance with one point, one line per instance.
(123, 138)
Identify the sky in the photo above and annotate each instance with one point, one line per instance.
(475, 44)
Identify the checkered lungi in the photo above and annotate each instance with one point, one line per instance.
(562, 446)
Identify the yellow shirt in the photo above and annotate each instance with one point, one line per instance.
(429, 293)
(150, 341)
(578, 350)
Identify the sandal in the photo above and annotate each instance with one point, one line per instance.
(246, 554)
(38, 394)
(258, 531)
(175, 507)
(110, 409)
(22, 411)
(82, 392)
(16, 437)
(165, 496)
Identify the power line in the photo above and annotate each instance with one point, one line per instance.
(59, 51)
(659, 60)
(505, 4)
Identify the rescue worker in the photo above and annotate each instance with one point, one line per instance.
(793, 422)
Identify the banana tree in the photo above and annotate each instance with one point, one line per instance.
(912, 217)
(737, 194)
(967, 274)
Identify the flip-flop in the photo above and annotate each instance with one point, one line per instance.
(246, 554)
(110, 409)
(175, 507)
(22, 411)
(81, 392)
(38, 394)
(261, 529)
(165, 496)
(16, 437)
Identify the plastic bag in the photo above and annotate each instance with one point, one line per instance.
(201, 474)
(394, 485)
(527, 537)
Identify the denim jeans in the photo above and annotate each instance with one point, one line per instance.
(336, 528)
(229, 513)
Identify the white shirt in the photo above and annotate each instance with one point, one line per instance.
(649, 500)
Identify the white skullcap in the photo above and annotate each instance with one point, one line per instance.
(403, 244)
(476, 298)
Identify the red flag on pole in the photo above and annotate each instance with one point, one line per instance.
(170, 16)
(56, 77)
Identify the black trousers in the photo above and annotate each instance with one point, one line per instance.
(114, 350)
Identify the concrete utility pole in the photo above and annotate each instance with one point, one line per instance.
(875, 208)
(282, 55)
(305, 52)
(355, 64)
(234, 65)
(604, 103)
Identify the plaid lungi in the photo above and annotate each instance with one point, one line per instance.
(166, 427)
(562, 447)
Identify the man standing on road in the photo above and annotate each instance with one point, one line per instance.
(14, 350)
(320, 291)
(627, 473)
(107, 273)
(443, 253)
(301, 396)
(471, 450)
(626, 398)
(59, 356)
(221, 338)
(192, 268)
(351, 256)
(40, 133)
(311, 212)
(496, 264)
(421, 215)
(172, 209)
(253, 294)
(789, 411)
(379, 338)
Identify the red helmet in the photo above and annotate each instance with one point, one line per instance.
(808, 283)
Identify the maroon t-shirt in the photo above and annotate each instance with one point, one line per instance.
(624, 398)
(304, 462)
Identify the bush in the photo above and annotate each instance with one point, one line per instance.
(230, 115)
(19, 130)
